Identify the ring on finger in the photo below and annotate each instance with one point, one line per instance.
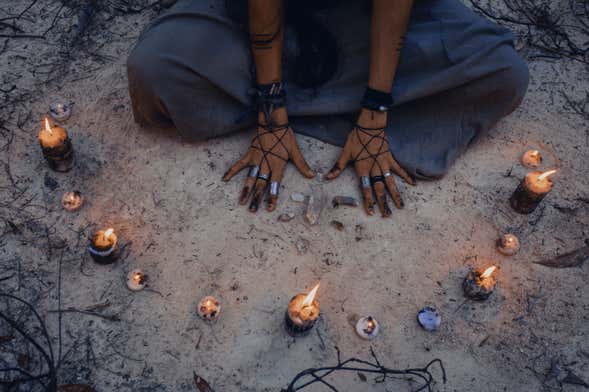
(386, 174)
(376, 179)
(365, 181)
(264, 177)
(274, 186)
(254, 170)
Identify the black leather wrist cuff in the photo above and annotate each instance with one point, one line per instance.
(376, 100)
(272, 94)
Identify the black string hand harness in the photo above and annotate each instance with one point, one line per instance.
(376, 101)
(267, 98)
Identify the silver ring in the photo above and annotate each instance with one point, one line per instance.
(274, 186)
(254, 170)
(264, 176)
(365, 181)
(386, 174)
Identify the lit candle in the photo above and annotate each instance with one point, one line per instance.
(531, 190)
(136, 280)
(508, 244)
(57, 147)
(367, 327)
(480, 284)
(60, 111)
(209, 308)
(532, 159)
(104, 246)
(302, 313)
(72, 201)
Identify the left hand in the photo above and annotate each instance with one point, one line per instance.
(368, 148)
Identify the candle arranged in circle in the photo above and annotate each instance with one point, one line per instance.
(104, 246)
(136, 280)
(531, 190)
(72, 201)
(57, 147)
(480, 284)
(367, 327)
(302, 313)
(508, 244)
(60, 111)
(532, 159)
(209, 308)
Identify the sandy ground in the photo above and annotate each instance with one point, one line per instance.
(184, 227)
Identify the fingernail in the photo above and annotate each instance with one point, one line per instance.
(243, 196)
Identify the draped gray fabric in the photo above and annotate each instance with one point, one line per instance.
(458, 75)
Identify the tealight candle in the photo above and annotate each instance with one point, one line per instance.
(72, 201)
(367, 327)
(209, 308)
(136, 280)
(57, 147)
(302, 313)
(508, 244)
(532, 159)
(60, 111)
(479, 284)
(104, 246)
(531, 190)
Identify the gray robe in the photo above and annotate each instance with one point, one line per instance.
(458, 75)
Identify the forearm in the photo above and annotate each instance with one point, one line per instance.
(390, 19)
(266, 37)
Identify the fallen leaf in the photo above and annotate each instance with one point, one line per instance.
(201, 384)
(568, 260)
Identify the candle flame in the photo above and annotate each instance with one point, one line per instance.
(108, 232)
(47, 126)
(534, 153)
(137, 277)
(488, 272)
(311, 296)
(546, 174)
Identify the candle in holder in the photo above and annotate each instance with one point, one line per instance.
(508, 244)
(57, 147)
(209, 308)
(136, 280)
(532, 159)
(367, 327)
(302, 313)
(60, 111)
(479, 284)
(104, 246)
(72, 201)
(531, 190)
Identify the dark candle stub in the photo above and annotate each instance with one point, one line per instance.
(479, 284)
(104, 247)
(530, 191)
(302, 313)
(57, 147)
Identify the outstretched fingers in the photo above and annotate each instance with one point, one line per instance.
(237, 167)
(400, 171)
(341, 163)
(296, 156)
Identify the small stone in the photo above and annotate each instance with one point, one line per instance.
(302, 246)
(429, 318)
(286, 217)
(298, 197)
(338, 225)
(344, 201)
(508, 244)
